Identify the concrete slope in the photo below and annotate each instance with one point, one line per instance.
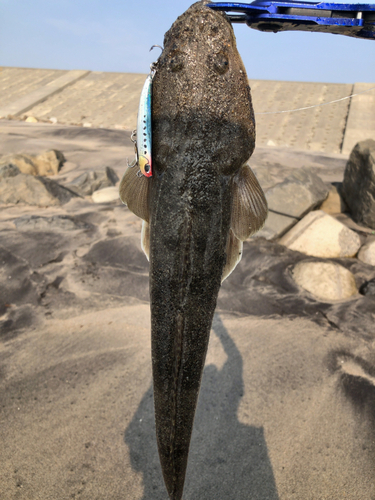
(299, 115)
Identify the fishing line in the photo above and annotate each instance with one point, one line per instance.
(315, 105)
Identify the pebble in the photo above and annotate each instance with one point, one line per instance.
(367, 253)
(106, 195)
(321, 235)
(327, 281)
(368, 288)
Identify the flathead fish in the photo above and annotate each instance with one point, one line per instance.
(199, 205)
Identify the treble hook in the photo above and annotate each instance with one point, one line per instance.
(160, 47)
(153, 65)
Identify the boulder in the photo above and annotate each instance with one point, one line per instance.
(327, 281)
(93, 180)
(367, 253)
(358, 187)
(47, 163)
(297, 194)
(291, 199)
(106, 195)
(23, 188)
(320, 235)
(276, 225)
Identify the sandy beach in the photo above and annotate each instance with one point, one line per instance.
(287, 404)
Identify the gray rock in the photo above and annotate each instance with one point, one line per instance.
(54, 223)
(368, 288)
(367, 253)
(9, 170)
(276, 225)
(298, 194)
(320, 235)
(327, 281)
(93, 180)
(31, 190)
(358, 187)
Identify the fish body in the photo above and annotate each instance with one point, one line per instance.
(200, 204)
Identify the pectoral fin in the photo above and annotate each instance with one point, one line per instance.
(234, 254)
(249, 213)
(249, 205)
(145, 239)
(134, 192)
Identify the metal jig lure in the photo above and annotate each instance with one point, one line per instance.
(142, 136)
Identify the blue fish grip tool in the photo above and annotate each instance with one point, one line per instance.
(356, 20)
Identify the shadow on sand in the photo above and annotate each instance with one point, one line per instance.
(228, 460)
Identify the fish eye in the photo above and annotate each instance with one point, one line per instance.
(147, 168)
(221, 63)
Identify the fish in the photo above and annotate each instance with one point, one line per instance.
(201, 203)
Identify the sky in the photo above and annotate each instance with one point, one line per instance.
(116, 35)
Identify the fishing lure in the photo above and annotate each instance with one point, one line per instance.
(144, 134)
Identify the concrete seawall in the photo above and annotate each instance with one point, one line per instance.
(331, 122)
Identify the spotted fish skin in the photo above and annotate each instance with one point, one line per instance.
(203, 133)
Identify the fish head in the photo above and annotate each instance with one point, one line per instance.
(201, 95)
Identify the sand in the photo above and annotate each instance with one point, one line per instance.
(287, 405)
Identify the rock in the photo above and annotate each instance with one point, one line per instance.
(367, 253)
(334, 203)
(31, 119)
(23, 162)
(276, 225)
(327, 281)
(47, 163)
(9, 170)
(291, 199)
(93, 180)
(320, 235)
(298, 194)
(56, 222)
(40, 191)
(358, 187)
(368, 288)
(106, 195)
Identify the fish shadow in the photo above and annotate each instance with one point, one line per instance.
(228, 459)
